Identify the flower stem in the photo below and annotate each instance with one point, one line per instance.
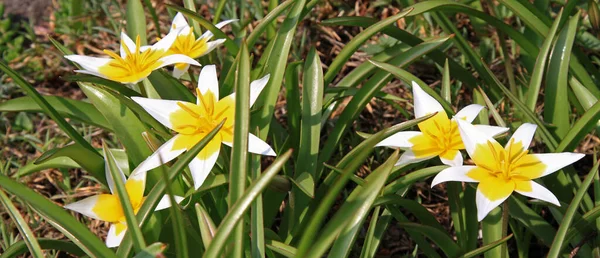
(142, 89)
(505, 219)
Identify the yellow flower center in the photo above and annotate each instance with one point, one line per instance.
(194, 121)
(188, 45)
(135, 66)
(440, 137)
(503, 170)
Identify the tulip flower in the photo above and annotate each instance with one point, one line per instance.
(187, 43)
(193, 121)
(107, 207)
(502, 171)
(439, 135)
(134, 63)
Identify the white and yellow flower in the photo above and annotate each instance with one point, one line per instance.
(501, 171)
(193, 121)
(107, 207)
(134, 63)
(187, 44)
(439, 134)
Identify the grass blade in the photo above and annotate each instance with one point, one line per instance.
(482, 250)
(179, 229)
(348, 220)
(238, 209)
(276, 66)
(20, 248)
(310, 133)
(30, 239)
(351, 47)
(559, 239)
(556, 105)
(69, 108)
(537, 75)
(266, 23)
(207, 226)
(48, 109)
(136, 21)
(239, 152)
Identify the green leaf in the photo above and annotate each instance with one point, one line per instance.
(127, 127)
(531, 220)
(170, 88)
(266, 22)
(48, 109)
(179, 228)
(580, 129)
(556, 105)
(57, 162)
(91, 163)
(559, 238)
(491, 229)
(347, 221)
(310, 134)
(69, 108)
(342, 57)
(276, 66)
(116, 86)
(482, 250)
(207, 226)
(20, 247)
(238, 209)
(410, 178)
(440, 238)
(281, 248)
(30, 239)
(59, 218)
(535, 82)
(157, 192)
(239, 152)
(136, 21)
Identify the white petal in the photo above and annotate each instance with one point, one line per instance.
(112, 239)
(208, 80)
(210, 46)
(109, 178)
(541, 193)
(144, 48)
(258, 146)
(471, 136)
(524, 134)
(200, 168)
(177, 58)
(453, 174)
(399, 140)
(179, 22)
(485, 205)
(128, 42)
(166, 42)
(424, 103)
(92, 73)
(89, 63)
(160, 109)
(469, 113)
(408, 157)
(256, 88)
(491, 130)
(165, 202)
(85, 206)
(208, 34)
(556, 161)
(177, 73)
(163, 154)
(456, 161)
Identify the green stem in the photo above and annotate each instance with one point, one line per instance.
(505, 219)
(142, 89)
